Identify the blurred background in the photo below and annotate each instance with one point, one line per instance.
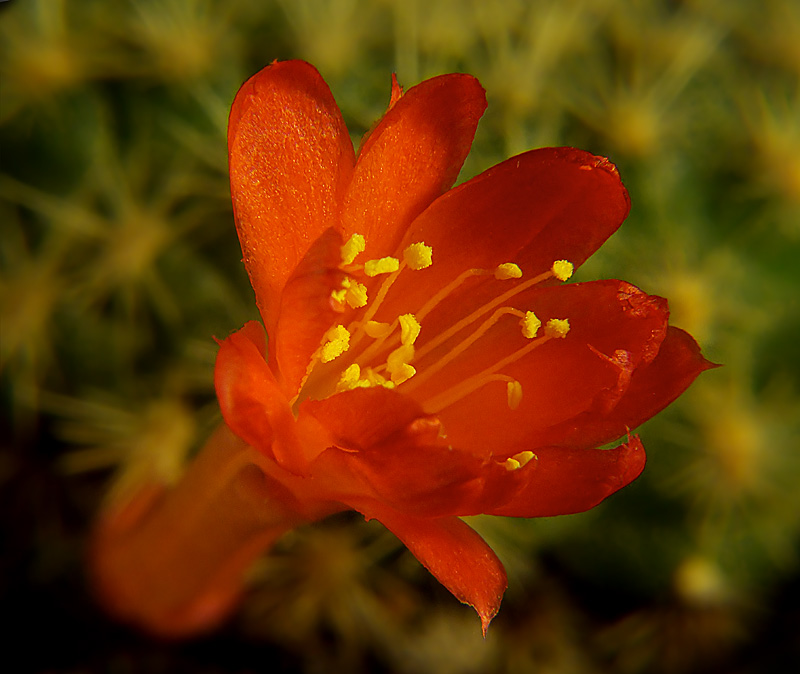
(119, 261)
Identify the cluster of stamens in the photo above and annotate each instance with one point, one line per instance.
(393, 344)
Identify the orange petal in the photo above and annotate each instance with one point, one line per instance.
(411, 157)
(535, 208)
(387, 449)
(291, 159)
(652, 388)
(456, 555)
(565, 480)
(306, 311)
(365, 417)
(253, 405)
(561, 379)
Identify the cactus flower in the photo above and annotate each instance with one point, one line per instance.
(422, 355)
(425, 358)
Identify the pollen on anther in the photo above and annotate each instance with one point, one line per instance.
(409, 328)
(349, 378)
(519, 460)
(562, 269)
(507, 270)
(351, 249)
(530, 325)
(418, 256)
(514, 394)
(338, 296)
(557, 327)
(384, 265)
(337, 341)
(356, 295)
(397, 364)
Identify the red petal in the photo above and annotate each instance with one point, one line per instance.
(290, 161)
(541, 206)
(306, 311)
(564, 481)
(387, 449)
(364, 417)
(243, 380)
(561, 379)
(411, 157)
(456, 555)
(651, 389)
(252, 403)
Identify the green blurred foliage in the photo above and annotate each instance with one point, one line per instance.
(119, 261)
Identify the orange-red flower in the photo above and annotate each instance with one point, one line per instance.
(425, 358)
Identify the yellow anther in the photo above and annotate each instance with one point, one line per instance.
(356, 294)
(339, 295)
(403, 373)
(514, 394)
(349, 378)
(376, 329)
(418, 256)
(385, 265)
(557, 327)
(372, 378)
(562, 269)
(524, 457)
(519, 460)
(530, 325)
(409, 328)
(506, 271)
(352, 248)
(398, 361)
(337, 341)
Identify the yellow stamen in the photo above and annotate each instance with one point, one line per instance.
(461, 347)
(519, 460)
(384, 265)
(514, 394)
(372, 378)
(557, 327)
(507, 270)
(397, 364)
(418, 256)
(338, 297)
(409, 329)
(530, 325)
(476, 381)
(352, 248)
(562, 269)
(356, 294)
(376, 329)
(338, 341)
(349, 378)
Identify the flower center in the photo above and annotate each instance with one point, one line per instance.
(368, 353)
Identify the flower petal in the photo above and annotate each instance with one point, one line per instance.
(456, 555)
(387, 449)
(243, 381)
(535, 208)
(652, 388)
(291, 159)
(411, 157)
(306, 312)
(368, 417)
(565, 480)
(615, 328)
(253, 405)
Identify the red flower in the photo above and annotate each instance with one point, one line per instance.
(426, 360)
